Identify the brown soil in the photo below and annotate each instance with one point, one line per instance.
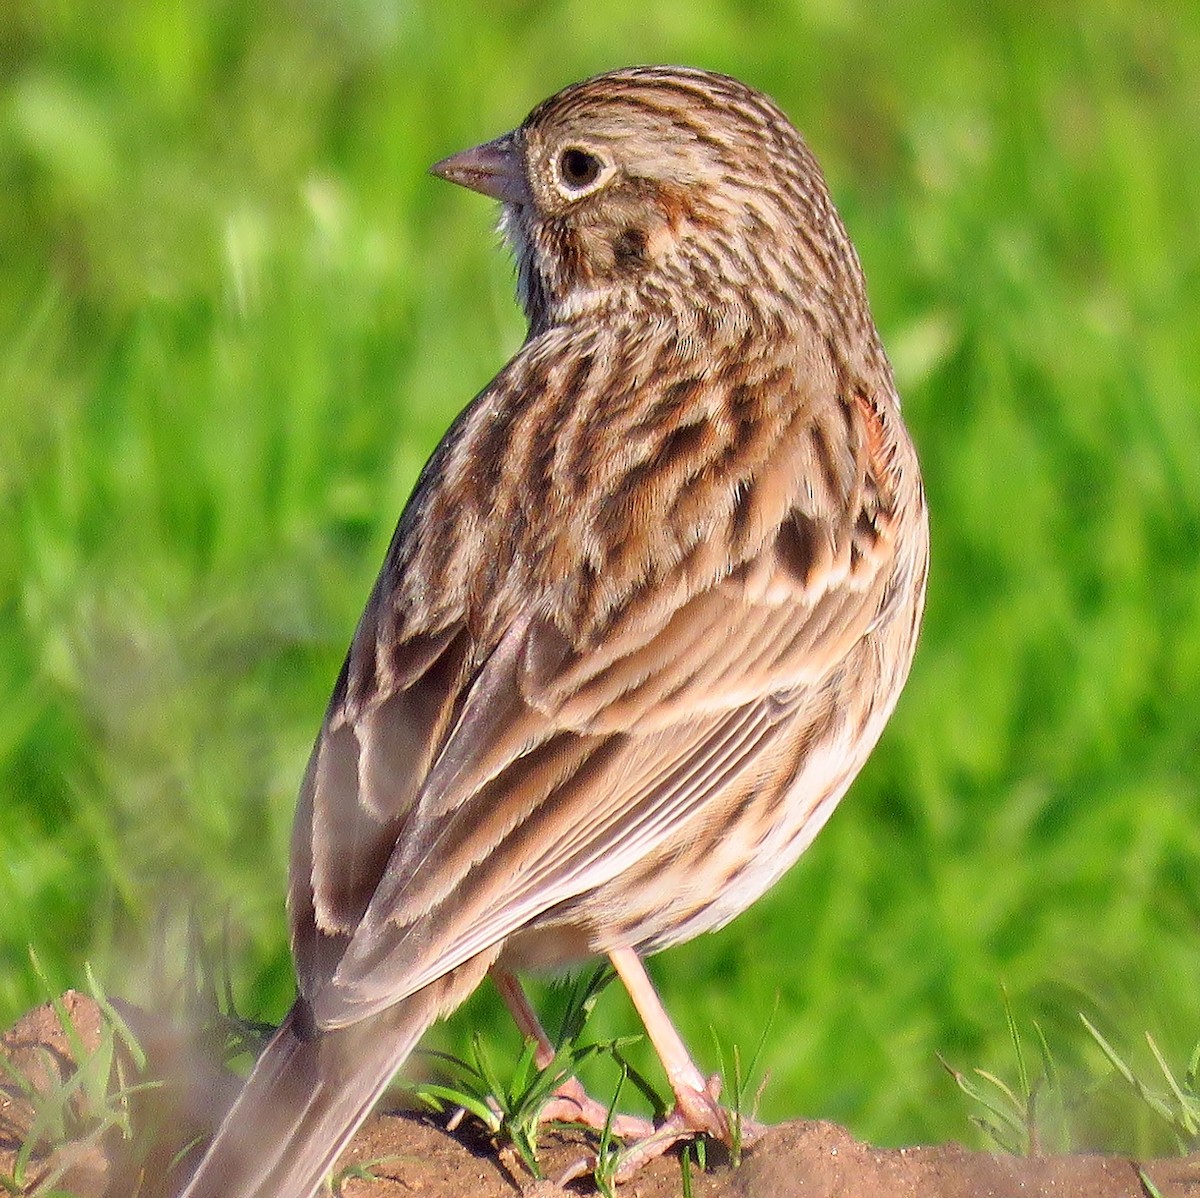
(418, 1157)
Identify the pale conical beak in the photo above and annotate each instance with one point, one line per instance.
(496, 169)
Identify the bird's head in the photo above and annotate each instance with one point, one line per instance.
(662, 189)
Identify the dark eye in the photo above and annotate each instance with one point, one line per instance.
(578, 168)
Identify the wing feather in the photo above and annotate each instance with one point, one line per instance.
(531, 804)
(472, 777)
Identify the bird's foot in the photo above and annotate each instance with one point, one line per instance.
(571, 1103)
(696, 1113)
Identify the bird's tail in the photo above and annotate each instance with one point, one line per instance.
(304, 1100)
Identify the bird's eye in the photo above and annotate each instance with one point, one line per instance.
(578, 169)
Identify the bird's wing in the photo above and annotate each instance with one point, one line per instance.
(445, 816)
(462, 784)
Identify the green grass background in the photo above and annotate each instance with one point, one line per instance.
(236, 315)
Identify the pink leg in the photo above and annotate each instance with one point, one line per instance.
(697, 1109)
(570, 1102)
(524, 1016)
(695, 1095)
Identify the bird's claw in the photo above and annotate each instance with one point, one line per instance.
(571, 1103)
(696, 1113)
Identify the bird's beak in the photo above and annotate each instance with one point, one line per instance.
(496, 169)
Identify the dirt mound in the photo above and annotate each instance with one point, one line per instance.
(414, 1155)
(793, 1160)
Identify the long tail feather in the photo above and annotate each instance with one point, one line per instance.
(304, 1100)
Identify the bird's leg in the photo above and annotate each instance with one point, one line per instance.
(697, 1109)
(695, 1096)
(524, 1016)
(570, 1102)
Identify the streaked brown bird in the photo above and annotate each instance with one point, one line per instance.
(646, 613)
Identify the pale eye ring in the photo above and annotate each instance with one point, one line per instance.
(578, 168)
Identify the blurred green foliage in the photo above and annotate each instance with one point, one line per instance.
(236, 315)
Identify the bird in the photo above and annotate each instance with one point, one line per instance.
(646, 613)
